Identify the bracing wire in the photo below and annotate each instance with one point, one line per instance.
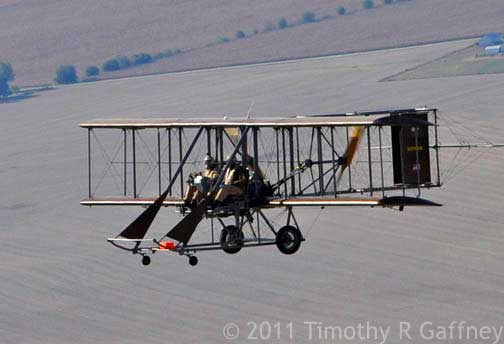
(108, 164)
(463, 135)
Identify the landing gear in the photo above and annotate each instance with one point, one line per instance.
(146, 260)
(288, 239)
(193, 260)
(231, 239)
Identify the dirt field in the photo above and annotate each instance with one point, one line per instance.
(61, 282)
(36, 37)
(466, 61)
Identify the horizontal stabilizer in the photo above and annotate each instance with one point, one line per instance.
(398, 120)
(397, 201)
(129, 240)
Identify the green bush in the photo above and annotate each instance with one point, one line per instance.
(66, 74)
(367, 4)
(6, 75)
(92, 71)
(309, 17)
(167, 53)
(111, 65)
(164, 54)
(124, 61)
(240, 34)
(6, 72)
(4, 89)
(140, 59)
(342, 11)
(282, 23)
(223, 39)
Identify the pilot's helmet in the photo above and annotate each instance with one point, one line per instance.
(209, 161)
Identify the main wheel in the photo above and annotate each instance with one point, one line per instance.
(193, 260)
(146, 260)
(231, 239)
(288, 239)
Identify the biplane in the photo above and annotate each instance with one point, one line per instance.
(367, 159)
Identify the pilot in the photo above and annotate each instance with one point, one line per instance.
(201, 182)
(251, 168)
(235, 181)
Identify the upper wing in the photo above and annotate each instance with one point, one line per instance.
(215, 122)
(385, 118)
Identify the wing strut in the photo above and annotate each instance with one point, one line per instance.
(138, 228)
(183, 230)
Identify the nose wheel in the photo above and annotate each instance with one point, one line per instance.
(193, 260)
(146, 260)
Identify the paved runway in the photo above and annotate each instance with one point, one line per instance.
(60, 282)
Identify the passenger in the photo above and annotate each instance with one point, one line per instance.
(210, 171)
(260, 188)
(235, 181)
(200, 183)
(251, 169)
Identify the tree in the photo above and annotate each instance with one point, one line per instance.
(66, 74)
(124, 61)
(4, 89)
(387, 2)
(6, 72)
(308, 17)
(342, 11)
(367, 4)
(223, 39)
(92, 71)
(164, 54)
(6, 75)
(140, 59)
(116, 63)
(240, 34)
(282, 23)
(111, 65)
